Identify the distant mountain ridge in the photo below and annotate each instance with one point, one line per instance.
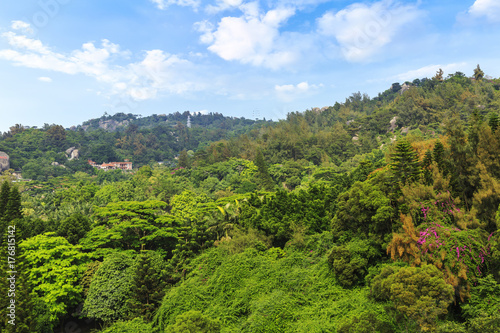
(119, 121)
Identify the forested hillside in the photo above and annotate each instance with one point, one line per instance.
(146, 140)
(372, 215)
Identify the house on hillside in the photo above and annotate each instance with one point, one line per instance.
(4, 161)
(112, 165)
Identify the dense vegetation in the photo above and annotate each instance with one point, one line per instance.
(373, 215)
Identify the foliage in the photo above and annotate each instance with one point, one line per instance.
(74, 228)
(253, 292)
(55, 268)
(193, 322)
(350, 262)
(484, 300)
(364, 210)
(150, 279)
(110, 289)
(135, 325)
(268, 226)
(131, 225)
(418, 293)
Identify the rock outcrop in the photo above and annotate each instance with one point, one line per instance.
(4, 161)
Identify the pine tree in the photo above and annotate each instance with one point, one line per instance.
(426, 166)
(13, 209)
(439, 76)
(149, 284)
(404, 164)
(478, 73)
(494, 121)
(183, 161)
(438, 156)
(4, 198)
(262, 176)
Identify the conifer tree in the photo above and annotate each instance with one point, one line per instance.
(494, 121)
(262, 175)
(4, 199)
(183, 161)
(438, 156)
(404, 164)
(478, 73)
(148, 286)
(13, 209)
(426, 166)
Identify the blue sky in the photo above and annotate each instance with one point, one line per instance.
(66, 61)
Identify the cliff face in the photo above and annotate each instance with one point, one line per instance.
(4, 161)
(112, 125)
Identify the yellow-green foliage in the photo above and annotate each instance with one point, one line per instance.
(419, 293)
(256, 291)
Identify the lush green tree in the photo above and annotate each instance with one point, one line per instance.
(461, 153)
(350, 262)
(74, 228)
(484, 299)
(478, 73)
(418, 293)
(131, 225)
(404, 163)
(364, 210)
(262, 176)
(150, 279)
(427, 168)
(110, 289)
(438, 155)
(4, 199)
(183, 160)
(56, 136)
(55, 268)
(494, 121)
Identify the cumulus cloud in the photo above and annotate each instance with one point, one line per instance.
(362, 30)
(490, 9)
(252, 38)
(45, 79)
(22, 26)
(222, 5)
(289, 92)
(164, 4)
(157, 72)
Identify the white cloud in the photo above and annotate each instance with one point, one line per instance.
(289, 92)
(164, 4)
(253, 38)
(22, 26)
(430, 71)
(363, 30)
(222, 5)
(158, 72)
(45, 79)
(486, 8)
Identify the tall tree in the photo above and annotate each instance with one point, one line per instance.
(494, 121)
(13, 209)
(478, 73)
(150, 279)
(4, 199)
(262, 176)
(404, 163)
(439, 158)
(183, 161)
(110, 289)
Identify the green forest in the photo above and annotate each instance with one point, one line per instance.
(375, 214)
